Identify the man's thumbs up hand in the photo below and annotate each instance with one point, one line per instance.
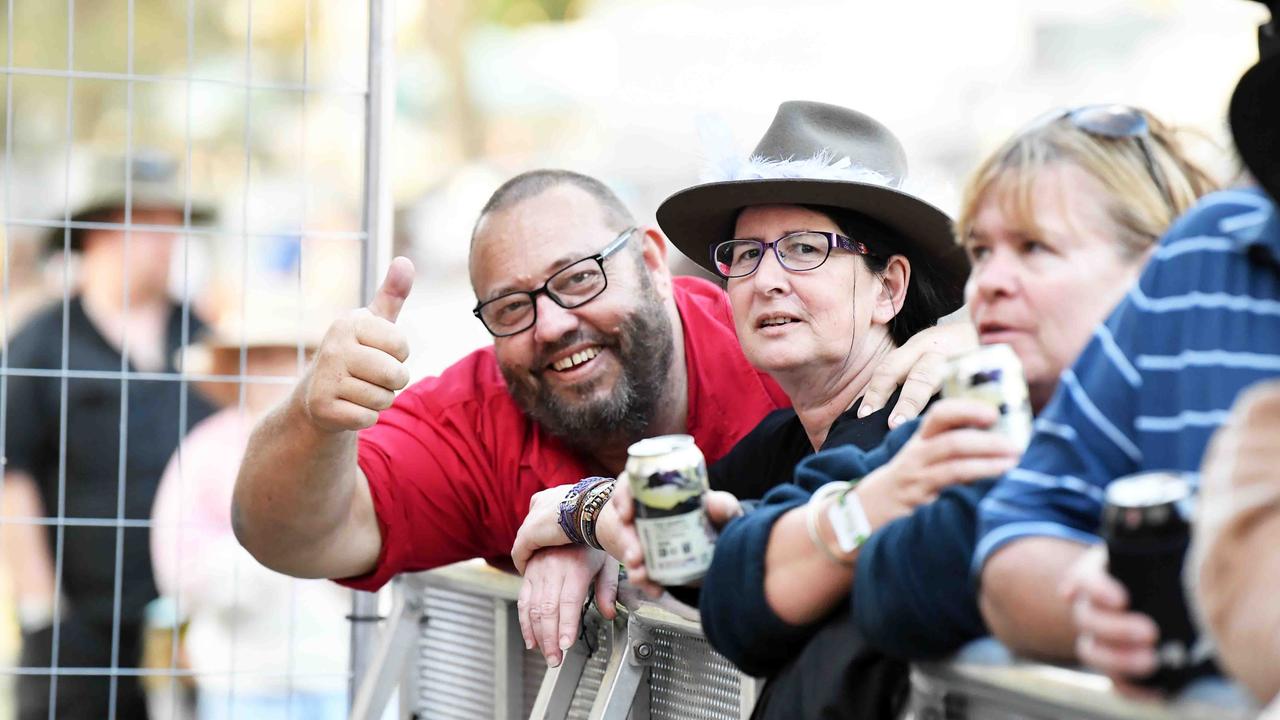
(360, 363)
(395, 287)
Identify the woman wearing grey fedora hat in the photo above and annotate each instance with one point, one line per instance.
(829, 264)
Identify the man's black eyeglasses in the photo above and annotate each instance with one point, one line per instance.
(797, 251)
(573, 285)
(1119, 122)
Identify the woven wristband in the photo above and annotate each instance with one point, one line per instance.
(571, 509)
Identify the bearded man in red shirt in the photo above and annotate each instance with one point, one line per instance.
(596, 345)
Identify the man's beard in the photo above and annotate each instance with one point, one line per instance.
(644, 346)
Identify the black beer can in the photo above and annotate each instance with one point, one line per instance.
(1146, 522)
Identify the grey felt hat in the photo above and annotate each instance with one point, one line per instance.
(1255, 109)
(819, 154)
(153, 183)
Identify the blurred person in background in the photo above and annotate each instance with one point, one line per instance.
(1056, 224)
(1226, 350)
(596, 346)
(830, 263)
(68, 465)
(1155, 382)
(284, 639)
(1234, 561)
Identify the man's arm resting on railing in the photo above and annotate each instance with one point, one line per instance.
(1020, 598)
(302, 506)
(27, 557)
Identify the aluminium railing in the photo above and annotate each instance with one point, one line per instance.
(451, 646)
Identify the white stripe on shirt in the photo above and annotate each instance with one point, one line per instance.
(1201, 243)
(1064, 482)
(1066, 432)
(1210, 358)
(1184, 419)
(1099, 420)
(1113, 351)
(1205, 301)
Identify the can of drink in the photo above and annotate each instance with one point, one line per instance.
(1146, 522)
(668, 478)
(993, 374)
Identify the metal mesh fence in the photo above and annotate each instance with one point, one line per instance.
(198, 176)
(689, 679)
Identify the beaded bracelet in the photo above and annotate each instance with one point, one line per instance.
(593, 502)
(571, 508)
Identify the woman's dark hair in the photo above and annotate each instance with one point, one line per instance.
(924, 303)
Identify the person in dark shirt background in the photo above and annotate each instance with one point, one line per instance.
(66, 486)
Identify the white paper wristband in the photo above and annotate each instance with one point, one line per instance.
(849, 521)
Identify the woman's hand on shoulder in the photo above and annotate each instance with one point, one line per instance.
(953, 445)
(919, 366)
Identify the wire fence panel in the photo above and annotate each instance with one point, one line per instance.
(195, 178)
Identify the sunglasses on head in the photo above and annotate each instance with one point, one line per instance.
(1116, 122)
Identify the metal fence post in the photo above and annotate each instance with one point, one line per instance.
(379, 112)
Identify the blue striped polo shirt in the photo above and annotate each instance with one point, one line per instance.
(1158, 377)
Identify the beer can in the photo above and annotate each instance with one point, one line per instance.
(1146, 522)
(668, 478)
(993, 374)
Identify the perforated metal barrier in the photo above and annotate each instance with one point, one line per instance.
(452, 644)
(452, 648)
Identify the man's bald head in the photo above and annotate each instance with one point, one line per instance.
(535, 182)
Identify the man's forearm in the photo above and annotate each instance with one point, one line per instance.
(301, 505)
(27, 556)
(1020, 598)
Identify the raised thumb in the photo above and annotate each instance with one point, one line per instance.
(395, 287)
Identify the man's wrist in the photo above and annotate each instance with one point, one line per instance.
(608, 529)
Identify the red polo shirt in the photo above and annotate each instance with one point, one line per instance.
(452, 464)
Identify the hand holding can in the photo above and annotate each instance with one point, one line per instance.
(667, 476)
(1146, 523)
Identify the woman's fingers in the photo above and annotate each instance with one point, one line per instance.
(943, 475)
(1089, 579)
(922, 383)
(919, 366)
(638, 574)
(1124, 661)
(952, 413)
(721, 507)
(1114, 628)
(960, 444)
